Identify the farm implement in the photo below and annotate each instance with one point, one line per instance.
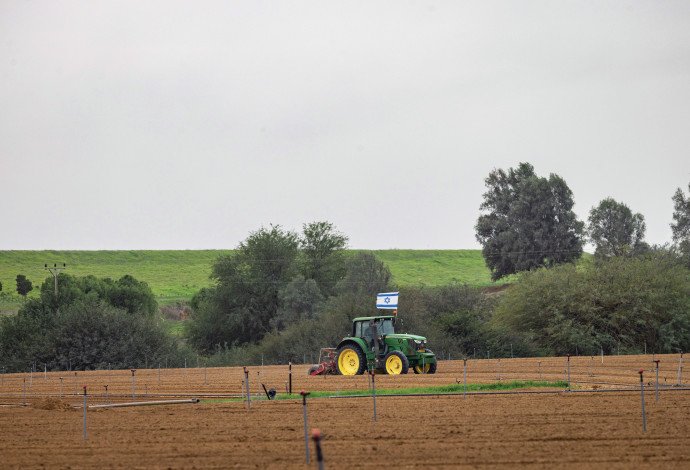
(326, 365)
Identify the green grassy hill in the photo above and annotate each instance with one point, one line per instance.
(436, 267)
(178, 274)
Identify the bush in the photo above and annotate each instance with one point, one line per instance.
(88, 332)
(621, 301)
(94, 335)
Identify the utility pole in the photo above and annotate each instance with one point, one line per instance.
(55, 270)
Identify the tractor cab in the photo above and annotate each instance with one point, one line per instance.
(369, 328)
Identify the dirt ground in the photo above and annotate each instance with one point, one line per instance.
(594, 425)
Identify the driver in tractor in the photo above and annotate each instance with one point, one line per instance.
(383, 327)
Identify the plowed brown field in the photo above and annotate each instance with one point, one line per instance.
(592, 426)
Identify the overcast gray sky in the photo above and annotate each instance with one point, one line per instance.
(186, 125)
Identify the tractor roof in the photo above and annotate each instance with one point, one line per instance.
(373, 318)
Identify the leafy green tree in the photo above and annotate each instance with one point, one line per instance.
(528, 222)
(23, 337)
(211, 326)
(318, 321)
(681, 224)
(131, 295)
(615, 230)
(244, 299)
(24, 285)
(0, 286)
(323, 253)
(300, 299)
(262, 296)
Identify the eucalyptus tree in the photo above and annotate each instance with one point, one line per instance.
(527, 222)
(244, 298)
(323, 252)
(615, 230)
(681, 224)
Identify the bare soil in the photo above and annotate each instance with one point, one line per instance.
(597, 424)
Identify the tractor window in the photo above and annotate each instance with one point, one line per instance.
(358, 329)
(385, 327)
(368, 333)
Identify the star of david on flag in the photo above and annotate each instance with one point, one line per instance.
(387, 300)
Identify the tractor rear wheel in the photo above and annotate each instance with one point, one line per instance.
(350, 360)
(396, 363)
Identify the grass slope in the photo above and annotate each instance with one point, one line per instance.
(178, 274)
(436, 267)
(171, 274)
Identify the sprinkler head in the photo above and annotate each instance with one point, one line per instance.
(303, 393)
(316, 435)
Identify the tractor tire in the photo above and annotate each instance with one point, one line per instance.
(350, 360)
(429, 368)
(396, 363)
(432, 369)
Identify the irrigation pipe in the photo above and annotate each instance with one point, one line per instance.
(115, 395)
(146, 403)
(524, 392)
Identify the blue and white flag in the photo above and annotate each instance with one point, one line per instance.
(387, 300)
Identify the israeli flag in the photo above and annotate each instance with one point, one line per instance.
(387, 300)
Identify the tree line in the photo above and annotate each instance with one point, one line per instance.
(283, 294)
(92, 323)
(527, 221)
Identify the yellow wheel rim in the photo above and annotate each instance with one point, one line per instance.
(348, 362)
(421, 370)
(393, 365)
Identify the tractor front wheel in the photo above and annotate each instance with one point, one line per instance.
(396, 363)
(428, 368)
(350, 360)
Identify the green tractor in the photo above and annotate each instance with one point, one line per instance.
(375, 346)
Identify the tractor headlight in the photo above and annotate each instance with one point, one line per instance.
(418, 342)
